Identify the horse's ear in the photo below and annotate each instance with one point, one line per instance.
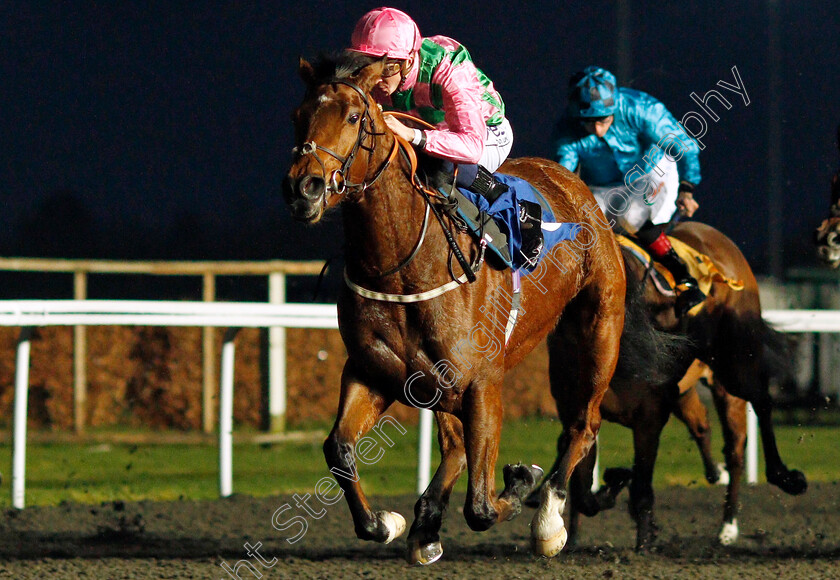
(370, 75)
(306, 72)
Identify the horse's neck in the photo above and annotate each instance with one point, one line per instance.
(382, 229)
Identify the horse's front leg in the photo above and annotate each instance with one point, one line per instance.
(424, 540)
(358, 409)
(692, 412)
(590, 504)
(482, 420)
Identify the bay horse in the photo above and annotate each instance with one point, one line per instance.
(827, 235)
(404, 347)
(743, 353)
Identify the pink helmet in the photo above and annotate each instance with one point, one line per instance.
(386, 31)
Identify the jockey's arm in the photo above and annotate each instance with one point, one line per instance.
(660, 128)
(567, 156)
(463, 138)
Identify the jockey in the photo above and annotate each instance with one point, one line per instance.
(435, 79)
(638, 162)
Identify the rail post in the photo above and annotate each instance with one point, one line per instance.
(226, 414)
(21, 404)
(752, 446)
(424, 450)
(277, 359)
(79, 357)
(208, 363)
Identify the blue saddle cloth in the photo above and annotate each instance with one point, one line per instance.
(505, 211)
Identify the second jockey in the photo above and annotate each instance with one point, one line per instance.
(638, 162)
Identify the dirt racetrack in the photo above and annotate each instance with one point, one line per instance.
(781, 537)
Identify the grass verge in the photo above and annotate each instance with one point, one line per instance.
(105, 472)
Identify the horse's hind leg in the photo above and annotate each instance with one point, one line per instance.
(733, 419)
(646, 433)
(482, 420)
(745, 380)
(423, 540)
(358, 409)
(598, 328)
(583, 500)
(790, 481)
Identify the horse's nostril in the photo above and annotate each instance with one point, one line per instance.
(312, 188)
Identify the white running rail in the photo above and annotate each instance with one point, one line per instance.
(233, 315)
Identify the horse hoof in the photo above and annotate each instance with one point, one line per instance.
(618, 477)
(729, 533)
(793, 482)
(424, 555)
(550, 547)
(548, 530)
(519, 475)
(394, 523)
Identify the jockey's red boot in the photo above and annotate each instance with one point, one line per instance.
(688, 290)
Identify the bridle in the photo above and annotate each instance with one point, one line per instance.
(338, 182)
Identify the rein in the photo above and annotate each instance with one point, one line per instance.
(428, 195)
(339, 184)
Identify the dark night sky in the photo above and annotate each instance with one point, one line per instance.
(182, 109)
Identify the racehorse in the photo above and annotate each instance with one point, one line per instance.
(743, 353)
(405, 314)
(827, 235)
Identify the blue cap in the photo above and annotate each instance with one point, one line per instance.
(592, 93)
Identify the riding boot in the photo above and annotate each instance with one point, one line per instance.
(484, 183)
(530, 228)
(689, 295)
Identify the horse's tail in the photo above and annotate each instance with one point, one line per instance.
(777, 359)
(647, 353)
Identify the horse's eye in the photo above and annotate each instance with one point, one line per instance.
(353, 119)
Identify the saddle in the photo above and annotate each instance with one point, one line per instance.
(501, 224)
(701, 266)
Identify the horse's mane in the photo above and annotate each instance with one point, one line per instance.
(340, 65)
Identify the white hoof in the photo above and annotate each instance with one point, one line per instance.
(548, 531)
(424, 555)
(549, 547)
(729, 533)
(723, 475)
(395, 524)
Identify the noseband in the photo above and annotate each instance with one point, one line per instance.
(339, 185)
(338, 182)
